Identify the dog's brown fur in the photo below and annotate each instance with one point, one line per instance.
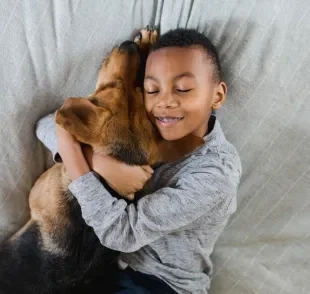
(112, 121)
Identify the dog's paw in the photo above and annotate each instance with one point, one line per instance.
(146, 37)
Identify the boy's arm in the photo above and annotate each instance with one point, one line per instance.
(46, 133)
(126, 228)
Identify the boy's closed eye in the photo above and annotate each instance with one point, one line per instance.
(150, 92)
(183, 83)
(182, 90)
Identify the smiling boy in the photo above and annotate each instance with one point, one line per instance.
(166, 239)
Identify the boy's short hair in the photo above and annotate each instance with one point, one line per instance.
(182, 37)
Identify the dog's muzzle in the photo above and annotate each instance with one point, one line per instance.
(129, 47)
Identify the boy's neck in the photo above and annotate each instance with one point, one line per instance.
(174, 150)
(211, 124)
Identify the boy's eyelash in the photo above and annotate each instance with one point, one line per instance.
(178, 90)
(187, 90)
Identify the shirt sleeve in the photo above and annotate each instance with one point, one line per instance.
(126, 228)
(46, 133)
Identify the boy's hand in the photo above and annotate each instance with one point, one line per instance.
(125, 179)
(71, 154)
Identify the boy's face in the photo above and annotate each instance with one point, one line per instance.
(180, 91)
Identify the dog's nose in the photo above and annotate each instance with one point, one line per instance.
(129, 46)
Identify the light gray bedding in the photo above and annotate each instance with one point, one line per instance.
(51, 50)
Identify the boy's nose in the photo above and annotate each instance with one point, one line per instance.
(167, 101)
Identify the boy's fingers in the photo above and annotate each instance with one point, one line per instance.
(131, 196)
(148, 176)
(148, 169)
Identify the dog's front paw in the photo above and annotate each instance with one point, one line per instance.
(146, 37)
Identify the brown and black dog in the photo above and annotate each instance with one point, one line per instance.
(56, 252)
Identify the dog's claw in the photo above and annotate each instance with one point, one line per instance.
(138, 37)
(146, 36)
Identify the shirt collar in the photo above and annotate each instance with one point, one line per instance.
(216, 136)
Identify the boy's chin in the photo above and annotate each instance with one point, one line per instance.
(171, 136)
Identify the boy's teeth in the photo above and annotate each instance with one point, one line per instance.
(169, 119)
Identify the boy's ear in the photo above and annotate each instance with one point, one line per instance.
(79, 117)
(219, 96)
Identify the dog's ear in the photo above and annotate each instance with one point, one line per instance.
(81, 118)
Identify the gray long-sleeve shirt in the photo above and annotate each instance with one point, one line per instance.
(172, 230)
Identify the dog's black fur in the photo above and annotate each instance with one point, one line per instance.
(85, 267)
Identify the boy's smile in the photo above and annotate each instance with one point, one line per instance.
(180, 91)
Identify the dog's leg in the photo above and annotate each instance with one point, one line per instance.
(21, 231)
(146, 38)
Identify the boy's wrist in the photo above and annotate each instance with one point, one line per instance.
(75, 162)
(100, 164)
(103, 165)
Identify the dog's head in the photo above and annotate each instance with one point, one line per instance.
(109, 119)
